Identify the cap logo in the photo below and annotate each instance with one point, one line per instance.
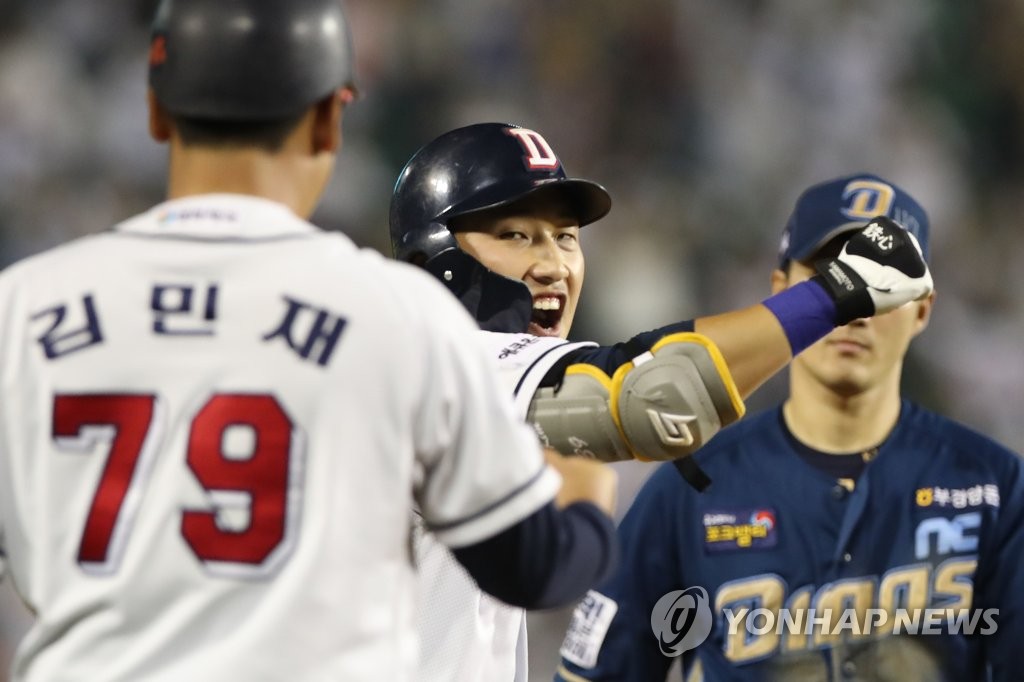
(867, 199)
(539, 154)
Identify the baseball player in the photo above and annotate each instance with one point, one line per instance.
(213, 429)
(489, 210)
(849, 533)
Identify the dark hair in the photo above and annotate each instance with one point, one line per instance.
(266, 135)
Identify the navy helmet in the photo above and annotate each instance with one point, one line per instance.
(475, 168)
(471, 169)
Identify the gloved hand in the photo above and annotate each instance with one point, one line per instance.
(878, 270)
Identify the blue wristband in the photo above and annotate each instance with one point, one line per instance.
(806, 312)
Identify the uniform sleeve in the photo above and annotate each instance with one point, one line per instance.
(610, 635)
(483, 470)
(998, 583)
(610, 358)
(547, 560)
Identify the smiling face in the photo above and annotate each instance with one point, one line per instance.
(536, 240)
(865, 355)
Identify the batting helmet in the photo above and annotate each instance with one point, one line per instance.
(475, 168)
(248, 60)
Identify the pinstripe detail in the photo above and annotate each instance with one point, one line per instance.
(494, 505)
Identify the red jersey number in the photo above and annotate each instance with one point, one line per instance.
(240, 450)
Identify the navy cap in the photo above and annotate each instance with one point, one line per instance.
(830, 208)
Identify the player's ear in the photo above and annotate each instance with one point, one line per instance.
(779, 281)
(159, 121)
(924, 313)
(327, 121)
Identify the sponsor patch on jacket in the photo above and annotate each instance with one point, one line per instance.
(739, 529)
(958, 498)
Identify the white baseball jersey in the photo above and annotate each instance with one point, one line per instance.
(467, 635)
(213, 424)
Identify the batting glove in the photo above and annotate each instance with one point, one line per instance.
(880, 269)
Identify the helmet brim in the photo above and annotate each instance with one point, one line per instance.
(588, 200)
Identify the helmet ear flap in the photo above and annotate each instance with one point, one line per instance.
(496, 302)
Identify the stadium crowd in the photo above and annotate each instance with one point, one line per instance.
(703, 119)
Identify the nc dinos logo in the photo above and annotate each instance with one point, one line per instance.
(681, 620)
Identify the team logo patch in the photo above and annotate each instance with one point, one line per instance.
(740, 529)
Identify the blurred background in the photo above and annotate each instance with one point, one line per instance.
(704, 118)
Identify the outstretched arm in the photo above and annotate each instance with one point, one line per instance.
(657, 396)
(752, 341)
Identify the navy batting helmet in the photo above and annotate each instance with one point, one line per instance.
(248, 60)
(471, 169)
(475, 168)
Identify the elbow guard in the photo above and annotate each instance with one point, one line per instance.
(663, 405)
